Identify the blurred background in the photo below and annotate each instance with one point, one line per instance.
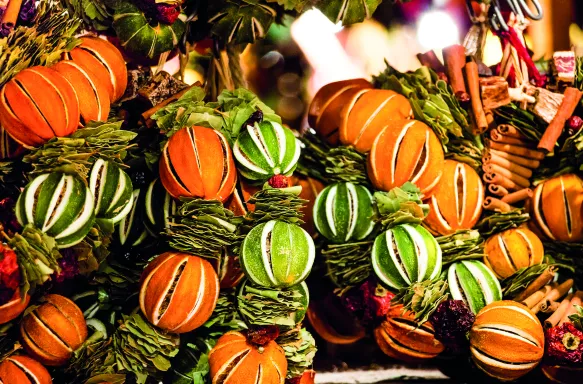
(300, 56)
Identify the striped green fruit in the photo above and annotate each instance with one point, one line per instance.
(131, 230)
(138, 35)
(266, 149)
(474, 283)
(112, 191)
(276, 254)
(404, 255)
(59, 205)
(343, 211)
(293, 317)
(159, 207)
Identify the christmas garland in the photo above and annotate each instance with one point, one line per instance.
(145, 222)
(447, 217)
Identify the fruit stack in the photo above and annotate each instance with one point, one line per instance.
(136, 254)
(433, 240)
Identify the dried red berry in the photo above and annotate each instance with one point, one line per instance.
(69, 265)
(9, 273)
(573, 125)
(167, 13)
(279, 181)
(369, 302)
(564, 345)
(263, 335)
(452, 320)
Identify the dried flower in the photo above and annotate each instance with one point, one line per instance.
(27, 11)
(163, 12)
(279, 181)
(452, 321)
(564, 345)
(69, 265)
(263, 335)
(369, 302)
(9, 273)
(167, 13)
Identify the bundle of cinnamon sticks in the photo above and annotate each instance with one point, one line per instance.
(543, 296)
(508, 163)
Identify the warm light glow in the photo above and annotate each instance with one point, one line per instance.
(316, 37)
(436, 30)
(492, 50)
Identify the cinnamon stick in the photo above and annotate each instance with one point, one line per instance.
(472, 79)
(490, 119)
(554, 294)
(509, 130)
(430, 59)
(542, 280)
(493, 158)
(517, 179)
(515, 197)
(494, 204)
(575, 300)
(555, 128)
(148, 114)
(500, 138)
(497, 178)
(523, 161)
(516, 150)
(553, 306)
(497, 190)
(11, 13)
(557, 316)
(535, 298)
(454, 58)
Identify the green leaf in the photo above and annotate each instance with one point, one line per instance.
(577, 318)
(204, 228)
(519, 280)
(501, 221)
(466, 151)
(291, 5)
(265, 306)
(348, 11)
(523, 120)
(462, 245)
(300, 348)
(225, 316)
(143, 349)
(240, 21)
(37, 256)
(329, 164)
(237, 106)
(432, 100)
(399, 206)
(77, 153)
(422, 298)
(283, 204)
(52, 33)
(348, 264)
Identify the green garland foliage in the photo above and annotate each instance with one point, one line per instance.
(77, 153)
(422, 298)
